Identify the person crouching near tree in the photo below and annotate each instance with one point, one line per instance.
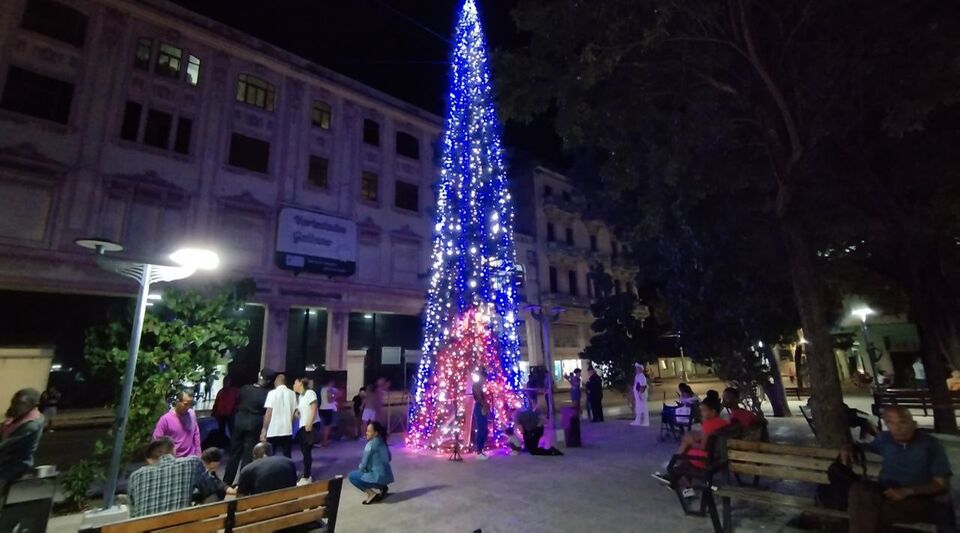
(374, 472)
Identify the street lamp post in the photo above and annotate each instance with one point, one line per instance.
(545, 319)
(187, 262)
(862, 313)
(683, 358)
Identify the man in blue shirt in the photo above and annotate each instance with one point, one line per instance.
(914, 472)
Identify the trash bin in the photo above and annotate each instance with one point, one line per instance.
(29, 502)
(571, 426)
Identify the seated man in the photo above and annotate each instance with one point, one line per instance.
(915, 471)
(210, 488)
(267, 472)
(166, 483)
(738, 415)
(19, 438)
(530, 423)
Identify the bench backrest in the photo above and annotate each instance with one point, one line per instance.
(796, 463)
(265, 512)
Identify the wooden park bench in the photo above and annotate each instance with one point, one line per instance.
(913, 399)
(261, 513)
(803, 466)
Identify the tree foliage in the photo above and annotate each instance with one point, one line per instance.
(814, 101)
(621, 336)
(185, 336)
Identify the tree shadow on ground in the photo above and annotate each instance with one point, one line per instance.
(397, 497)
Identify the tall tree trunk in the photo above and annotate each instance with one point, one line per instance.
(778, 399)
(929, 310)
(811, 296)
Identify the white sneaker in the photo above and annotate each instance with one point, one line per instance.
(481, 457)
(688, 493)
(304, 481)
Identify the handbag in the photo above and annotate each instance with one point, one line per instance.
(842, 477)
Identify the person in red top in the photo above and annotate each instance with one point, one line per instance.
(226, 405)
(738, 415)
(695, 444)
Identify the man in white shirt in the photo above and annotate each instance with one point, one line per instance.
(307, 413)
(281, 406)
(328, 408)
(640, 397)
(919, 374)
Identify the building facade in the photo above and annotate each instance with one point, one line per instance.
(564, 246)
(146, 124)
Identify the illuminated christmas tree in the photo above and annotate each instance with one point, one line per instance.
(471, 316)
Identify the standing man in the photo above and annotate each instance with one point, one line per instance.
(281, 405)
(248, 422)
(481, 410)
(307, 413)
(919, 374)
(640, 397)
(595, 391)
(328, 408)
(225, 406)
(574, 379)
(180, 426)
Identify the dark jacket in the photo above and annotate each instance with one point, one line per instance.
(595, 386)
(16, 451)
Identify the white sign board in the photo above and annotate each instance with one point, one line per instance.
(314, 242)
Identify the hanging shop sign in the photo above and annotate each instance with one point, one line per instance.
(308, 241)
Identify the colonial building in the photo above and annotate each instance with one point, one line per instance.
(565, 246)
(146, 124)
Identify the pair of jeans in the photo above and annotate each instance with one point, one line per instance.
(480, 421)
(283, 443)
(305, 438)
(241, 450)
(355, 478)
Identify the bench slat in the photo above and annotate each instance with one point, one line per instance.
(279, 509)
(808, 463)
(282, 495)
(269, 526)
(172, 518)
(211, 525)
(781, 472)
(781, 449)
(805, 503)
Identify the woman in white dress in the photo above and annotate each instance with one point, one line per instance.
(640, 398)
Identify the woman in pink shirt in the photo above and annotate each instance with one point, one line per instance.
(180, 425)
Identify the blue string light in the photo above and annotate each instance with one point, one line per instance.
(473, 260)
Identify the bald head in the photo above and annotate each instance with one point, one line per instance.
(261, 450)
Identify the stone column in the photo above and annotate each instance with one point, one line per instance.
(275, 337)
(337, 326)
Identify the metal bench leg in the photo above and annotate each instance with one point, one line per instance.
(712, 508)
(727, 516)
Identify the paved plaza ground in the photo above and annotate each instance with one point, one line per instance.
(604, 486)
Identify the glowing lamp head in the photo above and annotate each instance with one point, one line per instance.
(862, 313)
(197, 258)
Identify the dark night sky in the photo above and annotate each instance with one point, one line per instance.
(397, 46)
